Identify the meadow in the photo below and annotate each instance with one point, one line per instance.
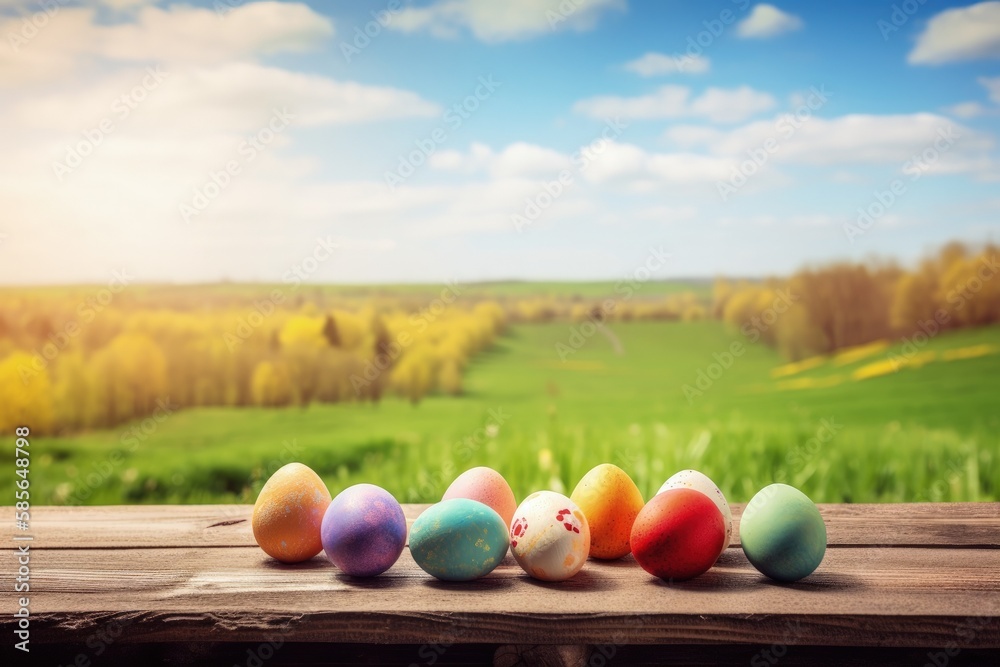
(925, 432)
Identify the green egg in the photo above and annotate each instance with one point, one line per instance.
(782, 533)
(459, 540)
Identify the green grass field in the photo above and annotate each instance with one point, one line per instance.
(921, 434)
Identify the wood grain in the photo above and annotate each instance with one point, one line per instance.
(193, 574)
(881, 597)
(916, 525)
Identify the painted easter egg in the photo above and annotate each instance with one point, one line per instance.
(458, 540)
(782, 533)
(610, 500)
(364, 530)
(678, 535)
(487, 486)
(693, 479)
(288, 514)
(549, 537)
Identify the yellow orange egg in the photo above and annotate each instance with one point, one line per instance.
(289, 512)
(610, 500)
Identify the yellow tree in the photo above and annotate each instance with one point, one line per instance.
(25, 395)
(270, 385)
(915, 298)
(450, 378)
(413, 374)
(129, 376)
(971, 291)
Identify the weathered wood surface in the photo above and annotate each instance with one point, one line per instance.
(915, 525)
(894, 576)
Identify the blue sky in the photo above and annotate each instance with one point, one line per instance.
(112, 166)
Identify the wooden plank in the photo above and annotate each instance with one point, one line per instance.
(321, 654)
(896, 596)
(179, 526)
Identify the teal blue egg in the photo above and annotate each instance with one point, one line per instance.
(782, 533)
(458, 540)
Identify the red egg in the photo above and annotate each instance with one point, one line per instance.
(679, 534)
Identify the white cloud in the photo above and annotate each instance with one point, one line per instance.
(657, 64)
(667, 214)
(963, 33)
(123, 200)
(975, 109)
(666, 102)
(236, 96)
(719, 105)
(767, 21)
(815, 220)
(178, 34)
(967, 110)
(731, 106)
(992, 87)
(131, 4)
(856, 139)
(613, 164)
(688, 136)
(518, 160)
(492, 21)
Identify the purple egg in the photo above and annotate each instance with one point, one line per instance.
(363, 530)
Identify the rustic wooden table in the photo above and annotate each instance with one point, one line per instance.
(915, 584)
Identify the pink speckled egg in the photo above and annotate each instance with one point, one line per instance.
(487, 486)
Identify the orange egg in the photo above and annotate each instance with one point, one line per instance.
(289, 512)
(610, 500)
(487, 486)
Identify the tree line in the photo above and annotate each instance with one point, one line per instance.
(822, 309)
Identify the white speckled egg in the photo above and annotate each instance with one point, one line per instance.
(549, 536)
(692, 479)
